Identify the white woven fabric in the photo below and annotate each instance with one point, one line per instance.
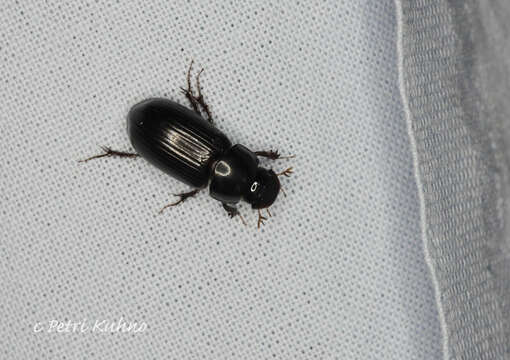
(337, 273)
(455, 81)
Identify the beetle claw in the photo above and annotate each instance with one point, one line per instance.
(261, 220)
(286, 172)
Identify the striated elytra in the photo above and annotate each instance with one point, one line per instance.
(189, 148)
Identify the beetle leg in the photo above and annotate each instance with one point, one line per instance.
(188, 92)
(261, 219)
(286, 172)
(232, 211)
(182, 197)
(200, 99)
(273, 155)
(107, 152)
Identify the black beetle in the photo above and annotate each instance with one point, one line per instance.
(188, 147)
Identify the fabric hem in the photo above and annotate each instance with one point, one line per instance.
(416, 171)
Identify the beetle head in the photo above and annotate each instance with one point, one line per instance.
(262, 192)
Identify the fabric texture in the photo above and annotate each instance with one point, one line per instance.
(455, 85)
(383, 239)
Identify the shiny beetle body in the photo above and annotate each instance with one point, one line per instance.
(189, 148)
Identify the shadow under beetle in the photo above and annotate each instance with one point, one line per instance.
(183, 144)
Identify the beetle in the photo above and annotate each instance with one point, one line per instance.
(187, 146)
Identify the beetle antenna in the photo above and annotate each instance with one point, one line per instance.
(286, 172)
(268, 212)
(283, 191)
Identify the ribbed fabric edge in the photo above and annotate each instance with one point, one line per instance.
(416, 171)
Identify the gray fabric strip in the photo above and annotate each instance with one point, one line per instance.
(456, 171)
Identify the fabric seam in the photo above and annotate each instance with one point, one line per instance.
(416, 171)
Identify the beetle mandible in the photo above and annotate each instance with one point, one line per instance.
(180, 142)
